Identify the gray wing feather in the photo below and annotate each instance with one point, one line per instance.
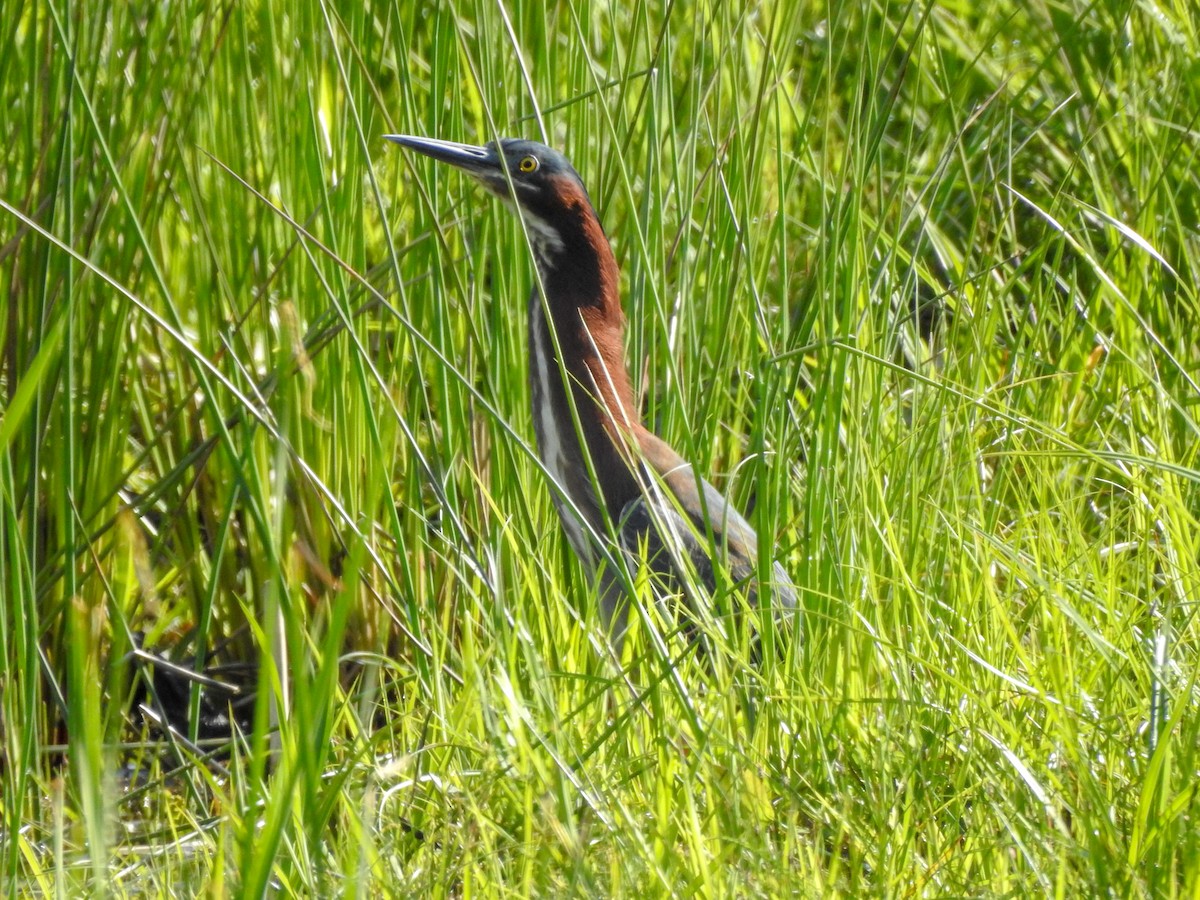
(677, 547)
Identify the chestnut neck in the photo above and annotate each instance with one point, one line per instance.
(582, 281)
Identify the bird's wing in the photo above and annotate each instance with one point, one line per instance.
(668, 542)
(672, 520)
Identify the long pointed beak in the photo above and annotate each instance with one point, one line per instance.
(478, 161)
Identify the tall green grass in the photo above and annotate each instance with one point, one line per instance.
(263, 383)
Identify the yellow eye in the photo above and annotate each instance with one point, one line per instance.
(528, 164)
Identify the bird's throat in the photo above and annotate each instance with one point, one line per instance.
(581, 285)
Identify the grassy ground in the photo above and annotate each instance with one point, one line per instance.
(263, 394)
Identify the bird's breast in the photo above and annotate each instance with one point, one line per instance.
(558, 445)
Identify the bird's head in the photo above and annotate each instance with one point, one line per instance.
(538, 179)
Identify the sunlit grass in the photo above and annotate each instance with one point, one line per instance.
(263, 384)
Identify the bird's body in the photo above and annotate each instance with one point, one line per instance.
(654, 499)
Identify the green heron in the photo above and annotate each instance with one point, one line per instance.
(656, 503)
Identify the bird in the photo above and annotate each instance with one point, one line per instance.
(659, 509)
